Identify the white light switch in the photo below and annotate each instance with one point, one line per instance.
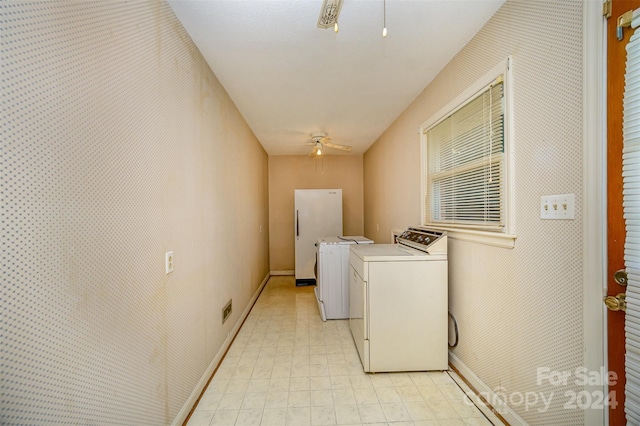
(557, 206)
(168, 262)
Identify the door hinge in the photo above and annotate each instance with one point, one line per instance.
(606, 9)
(624, 21)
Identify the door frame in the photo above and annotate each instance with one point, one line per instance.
(594, 203)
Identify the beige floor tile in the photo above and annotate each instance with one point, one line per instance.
(217, 385)
(261, 372)
(300, 399)
(258, 385)
(320, 383)
(419, 411)
(247, 361)
(323, 416)
(210, 401)
(317, 350)
(339, 370)
(409, 394)
(344, 397)
(395, 412)
(288, 367)
(299, 416)
(279, 385)
(321, 398)
(387, 395)
(421, 379)
(427, 423)
(442, 409)
(340, 382)
(452, 392)
(299, 384)
(274, 417)
(439, 378)
(371, 413)
(225, 417)
(301, 360)
(361, 382)
(242, 373)
(231, 401)
(317, 370)
(266, 358)
(400, 379)
(249, 417)
(253, 400)
(237, 386)
(201, 417)
(381, 380)
(465, 408)
(431, 392)
(277, 400)
(452, 422)
(366, 396)
(280, 371)
(347, 414)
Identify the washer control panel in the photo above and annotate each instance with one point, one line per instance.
(418, 238)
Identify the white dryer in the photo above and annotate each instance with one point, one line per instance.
(332, 291)
(398, 302)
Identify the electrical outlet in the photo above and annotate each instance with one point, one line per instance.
(557, 206)
(168, 262)
(226, 311)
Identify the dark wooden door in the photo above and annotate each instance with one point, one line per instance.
(616, 56)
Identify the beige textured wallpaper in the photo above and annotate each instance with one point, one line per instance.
(290, 172)
(118, 144)
(502, 298)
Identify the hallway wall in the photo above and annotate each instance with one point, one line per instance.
(118, 144)
(506, 300)
(290, 172)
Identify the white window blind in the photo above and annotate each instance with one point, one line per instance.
(631, 205)
(466, 163)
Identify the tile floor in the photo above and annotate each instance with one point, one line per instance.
(287, 367)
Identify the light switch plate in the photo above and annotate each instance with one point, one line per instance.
(560, 207)
(168, 262)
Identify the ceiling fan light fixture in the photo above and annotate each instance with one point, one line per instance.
(320, 141)
(329, 14)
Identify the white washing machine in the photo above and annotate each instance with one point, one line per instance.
(399, 304)
(332, 291)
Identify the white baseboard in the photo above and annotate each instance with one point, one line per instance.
(195, 394)
(486, 392)
(283, 272)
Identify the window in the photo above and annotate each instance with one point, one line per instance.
(465, 168)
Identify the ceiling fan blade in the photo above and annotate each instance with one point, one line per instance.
(337, 146)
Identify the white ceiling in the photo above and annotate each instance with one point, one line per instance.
(290, 78)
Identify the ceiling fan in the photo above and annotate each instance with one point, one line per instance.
(320, 141)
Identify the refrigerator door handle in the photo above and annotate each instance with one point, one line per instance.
(297, 225)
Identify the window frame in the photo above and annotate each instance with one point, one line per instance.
(504, 237)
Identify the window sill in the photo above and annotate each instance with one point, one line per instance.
(482, 237)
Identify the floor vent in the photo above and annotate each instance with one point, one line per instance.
(226, 311)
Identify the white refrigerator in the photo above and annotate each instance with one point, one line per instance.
(317, 214)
